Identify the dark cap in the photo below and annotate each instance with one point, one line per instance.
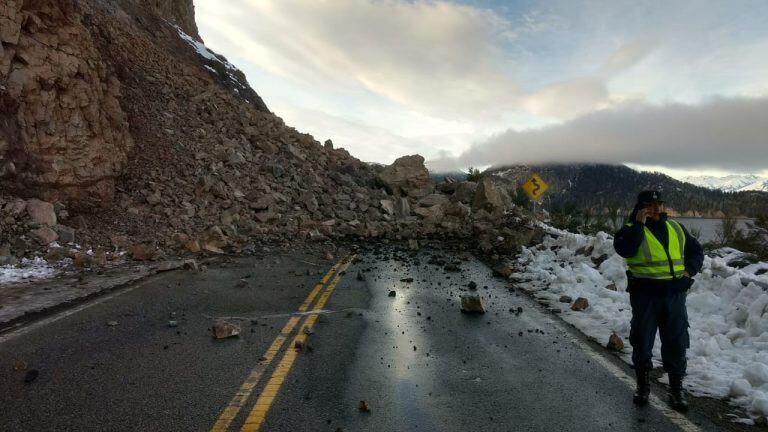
(649, 196)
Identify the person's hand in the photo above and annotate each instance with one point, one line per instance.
(642, 215)
(686, 274)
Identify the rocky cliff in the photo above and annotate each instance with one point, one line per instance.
(63, 133)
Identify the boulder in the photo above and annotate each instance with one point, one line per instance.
(402, 207)
(472, 304)
(388, 206)
(465, 192)
(615, 343)
(169, 265)
(580, 304)
(407, 176)
(66, 234)
(41, 212)
(565, 299)
(6, 258)
(143, 252)
(487, 197)
(448, 185)
(309, 201)
(193, 246)
(503, 270)
(224, 329)
(433, 200)
(44, 235)
(457, 209)
(214, 240)
(434, 213)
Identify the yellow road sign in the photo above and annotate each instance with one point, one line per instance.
(535, 187)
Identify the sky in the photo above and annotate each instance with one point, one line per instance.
(677, 86)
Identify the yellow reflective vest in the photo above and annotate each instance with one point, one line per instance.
(652, 261)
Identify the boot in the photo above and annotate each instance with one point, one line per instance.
(643, 387)
(676, 394)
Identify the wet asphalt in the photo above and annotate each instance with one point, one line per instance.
(417, 362)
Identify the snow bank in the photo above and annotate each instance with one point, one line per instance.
(727, 310)
(36, 268)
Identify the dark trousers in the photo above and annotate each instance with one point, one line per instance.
(662, 309)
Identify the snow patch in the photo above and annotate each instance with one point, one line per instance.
(201, 49)
(36, 268)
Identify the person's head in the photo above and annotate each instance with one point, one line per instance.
(652, 201)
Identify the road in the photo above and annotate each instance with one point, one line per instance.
(316, 341)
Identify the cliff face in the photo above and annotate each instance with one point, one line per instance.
(62, 130)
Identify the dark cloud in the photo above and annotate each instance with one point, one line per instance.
(723, 133)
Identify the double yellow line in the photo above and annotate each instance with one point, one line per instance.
(267, 396)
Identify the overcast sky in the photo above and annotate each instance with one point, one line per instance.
(679, 86)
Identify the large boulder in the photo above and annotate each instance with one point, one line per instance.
(488, 197)
(433, 200)
(41, 212)
(407, 176)
(434, 213)
(465, 192)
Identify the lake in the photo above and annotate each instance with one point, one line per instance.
(708, 227)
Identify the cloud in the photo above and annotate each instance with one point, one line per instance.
(568, 99)
(436, 57)
(629, 54)
(725, 133)
(370, 143)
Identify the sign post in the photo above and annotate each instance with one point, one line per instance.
(535, 188)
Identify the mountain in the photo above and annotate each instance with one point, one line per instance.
(731, 183)
(601, 187)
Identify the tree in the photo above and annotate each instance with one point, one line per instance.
(474, 174)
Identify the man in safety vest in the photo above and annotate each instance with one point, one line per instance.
(662, 258)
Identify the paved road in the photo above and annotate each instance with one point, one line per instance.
(417, 362)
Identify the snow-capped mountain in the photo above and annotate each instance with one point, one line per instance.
(731, 183)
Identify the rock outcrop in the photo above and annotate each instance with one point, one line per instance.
(63, 133)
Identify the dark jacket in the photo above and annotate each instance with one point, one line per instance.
(627, 241)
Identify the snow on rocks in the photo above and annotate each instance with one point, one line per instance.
(203, 50)
(36, 268)
(727, 310)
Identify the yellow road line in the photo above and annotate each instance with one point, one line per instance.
(267, 396)
(233, 408)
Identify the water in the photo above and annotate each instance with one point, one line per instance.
(708, 227)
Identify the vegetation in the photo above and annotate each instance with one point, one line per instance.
(753, 240)
(521, 199)
(474, 174)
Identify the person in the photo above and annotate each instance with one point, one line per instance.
(662, 258)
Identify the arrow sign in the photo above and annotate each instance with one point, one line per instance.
(535, 187)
